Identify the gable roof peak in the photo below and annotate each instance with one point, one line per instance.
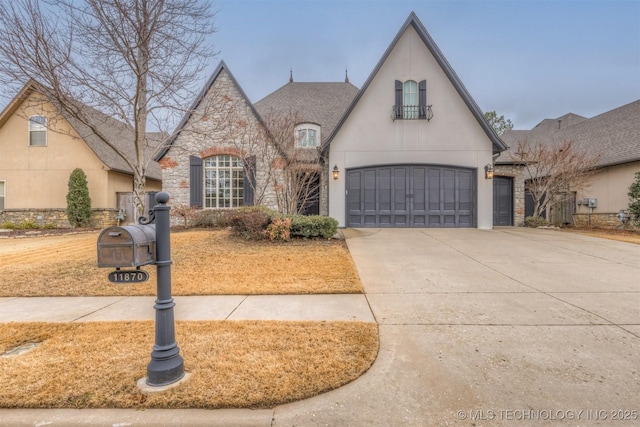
(203, 93)
(413, 21)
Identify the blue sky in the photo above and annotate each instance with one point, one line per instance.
(528, 60)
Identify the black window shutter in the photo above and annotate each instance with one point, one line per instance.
(398, 106)
(249, 180)
(422, 99)
(195, 182)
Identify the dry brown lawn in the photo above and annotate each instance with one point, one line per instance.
(231, 364)
(629, 236)
(205, 262)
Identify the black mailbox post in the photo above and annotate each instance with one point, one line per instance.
(144, 244)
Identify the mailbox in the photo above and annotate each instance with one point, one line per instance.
(127, 246)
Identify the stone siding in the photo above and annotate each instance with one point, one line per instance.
(602, 220)
(223, 124)
(100, 218)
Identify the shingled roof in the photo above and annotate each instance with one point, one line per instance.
(322, 103)
(615, 134)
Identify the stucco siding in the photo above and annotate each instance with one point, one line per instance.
(371, 137)
(610, 186)
(38, 176)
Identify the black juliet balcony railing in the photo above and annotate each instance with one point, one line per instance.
(412, 112)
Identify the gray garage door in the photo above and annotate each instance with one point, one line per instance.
(411, 196)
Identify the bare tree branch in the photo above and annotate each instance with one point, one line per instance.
(554, 170)
(137, 61)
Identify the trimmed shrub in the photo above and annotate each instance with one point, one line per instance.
(535, 221)
(78, 200)
(313, 226)
(279, 230)
(207, 218)
(250, 222)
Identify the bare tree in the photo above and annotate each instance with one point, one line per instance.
(554, 170)
(296, 171)
(137, 61)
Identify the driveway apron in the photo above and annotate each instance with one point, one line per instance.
(492, 327)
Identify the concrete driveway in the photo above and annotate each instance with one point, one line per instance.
(505, 327)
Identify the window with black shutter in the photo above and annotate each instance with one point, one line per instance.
(195, 182)
(249, 181)
(411, 101)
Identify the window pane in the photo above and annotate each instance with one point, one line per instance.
(37, 138)
(312, 138)
(410, 99)
(37, 123)
(223, 181)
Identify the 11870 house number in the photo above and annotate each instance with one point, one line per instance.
(124, 276)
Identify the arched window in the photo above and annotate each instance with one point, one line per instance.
(410, 99)
(223, 182)
(308, 135)
(37, 131)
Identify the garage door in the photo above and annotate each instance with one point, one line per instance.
(411, 196)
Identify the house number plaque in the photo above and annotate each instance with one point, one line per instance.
(128, 276)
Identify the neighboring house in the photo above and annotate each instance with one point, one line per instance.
(40, 148)
(615, 135)
(409, 149)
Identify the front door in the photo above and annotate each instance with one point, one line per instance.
(502, 201)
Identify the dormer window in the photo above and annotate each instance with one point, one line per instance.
(37, 131)
(411, 101)
(308, 135)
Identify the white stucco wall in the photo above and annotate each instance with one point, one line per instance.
(370, 137)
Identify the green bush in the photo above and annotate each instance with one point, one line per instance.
(634, 199)
(78, 200)
(27, 224)
(259, 222)
(313, 226)
(535, 221)
(8, 225)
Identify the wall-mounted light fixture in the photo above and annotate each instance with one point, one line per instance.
(488, 171)
(336, 172)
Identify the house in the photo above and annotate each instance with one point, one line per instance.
(41, 146)
(226, 153)
(413, 146)
(614, 135)
(409, 149)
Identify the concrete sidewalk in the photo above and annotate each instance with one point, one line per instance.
(347, 307)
